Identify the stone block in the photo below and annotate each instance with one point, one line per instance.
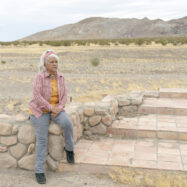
(51, 163)
(15, 129)
(26, 134)
(99, 129)
(102, 108)
(89, 111)
(27, 162)
(55, 146)
(3, 148)
(94, 120)
(31, 148)
(107, 120)
(54, 129)
(18, 150)
(7, 161)
(123, 100)
(5, 129)
(9, 140)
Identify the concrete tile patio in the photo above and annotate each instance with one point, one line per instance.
(144, 153)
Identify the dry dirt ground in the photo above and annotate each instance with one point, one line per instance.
(22, 178)
(121, 69)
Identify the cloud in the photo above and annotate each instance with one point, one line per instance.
(38, 15)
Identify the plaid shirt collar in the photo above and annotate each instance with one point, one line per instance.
(47, 74)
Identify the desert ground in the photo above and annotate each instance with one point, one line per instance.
(23, 178)
(121, 69)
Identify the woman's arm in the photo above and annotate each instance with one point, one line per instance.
(37, 89)
(63, 101)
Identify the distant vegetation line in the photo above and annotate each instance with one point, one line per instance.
(126, 41)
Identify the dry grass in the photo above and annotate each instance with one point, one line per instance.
(148, 178)
(121, 69)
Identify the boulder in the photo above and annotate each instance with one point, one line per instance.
(9, 140)
(51, 163)
(3, 148)
(27, 162)
(75, 132)
(87, 133)
(80, 131)
(21, 118)
(148, 93)
(99, 129)
(94, 120)
(18, 150)
(88, 111)
(26, 134)
(56, 146)
(136, 98)
(55, 129)
(107, 120)
(5, 129)
(81, 115)
(31, 148)
(102, 108)
(15, 129)
(123, 100)
(7, 161)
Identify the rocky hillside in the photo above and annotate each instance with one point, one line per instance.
(113, 28)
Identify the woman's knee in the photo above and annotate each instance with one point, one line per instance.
(65, 122)
(68, 124)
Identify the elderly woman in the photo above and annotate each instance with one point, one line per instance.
(48, 103)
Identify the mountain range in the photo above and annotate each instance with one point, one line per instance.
(113, 28)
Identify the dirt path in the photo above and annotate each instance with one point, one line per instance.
(23, 178)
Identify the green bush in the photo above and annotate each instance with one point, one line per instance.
(41, 43)
(95, 61)
(67, 43)
(3, 62)
(139, 41)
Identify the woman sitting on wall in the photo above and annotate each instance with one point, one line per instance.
(48, 103)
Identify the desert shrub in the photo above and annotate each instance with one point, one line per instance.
(95, 61)
(103, 42)
(15, 43)
(81, 42)
(3, 62)
(41, 43)
(31, 42)
(148, 42)
(139, 41)
(125, 41)
(67, 43)
(163, 42)
(55, 43)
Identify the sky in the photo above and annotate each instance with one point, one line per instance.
(21, 18)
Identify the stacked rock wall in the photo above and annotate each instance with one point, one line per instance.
(17, 141)
(17, 137)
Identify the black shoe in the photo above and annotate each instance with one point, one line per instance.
(40, 177)
(70, 156)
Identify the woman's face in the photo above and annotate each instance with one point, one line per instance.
(51, 65)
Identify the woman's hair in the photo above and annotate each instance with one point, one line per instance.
(42, 60)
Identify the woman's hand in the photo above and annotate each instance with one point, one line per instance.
(56, 110)
(53, 115)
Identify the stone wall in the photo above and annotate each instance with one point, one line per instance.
(17, 140)
(17, 137)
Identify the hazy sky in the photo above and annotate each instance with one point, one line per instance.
(20, 18)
